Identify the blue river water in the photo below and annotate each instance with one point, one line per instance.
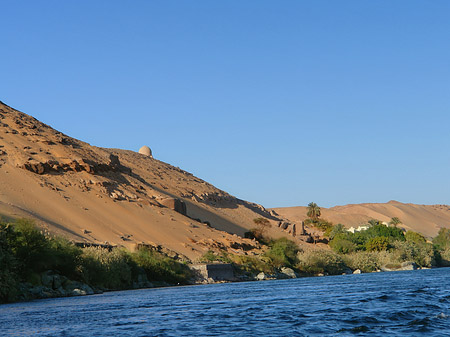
(407, 303)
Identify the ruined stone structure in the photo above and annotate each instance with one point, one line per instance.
(216, 271)
(177, 205)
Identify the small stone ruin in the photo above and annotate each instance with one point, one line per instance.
(177, 205)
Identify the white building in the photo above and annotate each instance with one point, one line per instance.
(359, 229)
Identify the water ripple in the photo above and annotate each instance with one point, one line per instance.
(396, 304)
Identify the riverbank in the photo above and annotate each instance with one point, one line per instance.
(50, 284)
(37, 266)
(53, 285)
(34, 265)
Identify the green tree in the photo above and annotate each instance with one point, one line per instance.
(313, 211)
(374, 222)
(262, 225)
(393, 233)
(395, 221)
(378, 243)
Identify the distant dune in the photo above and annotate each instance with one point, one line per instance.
(425, 219)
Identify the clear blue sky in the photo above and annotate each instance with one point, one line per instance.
(276, 102)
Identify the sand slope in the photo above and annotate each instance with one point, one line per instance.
(425, 219)
(98, 195)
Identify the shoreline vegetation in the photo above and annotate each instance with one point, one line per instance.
(35, 265)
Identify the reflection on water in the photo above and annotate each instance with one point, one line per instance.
(397, 303)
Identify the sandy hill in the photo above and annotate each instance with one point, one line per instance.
(425, 219)
(117, 197)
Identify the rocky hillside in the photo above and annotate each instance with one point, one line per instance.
(116, 197)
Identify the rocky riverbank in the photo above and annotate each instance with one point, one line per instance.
(50, 284)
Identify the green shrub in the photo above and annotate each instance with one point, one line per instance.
(159, 267)
(211, 256)
(442, 240)
(65, 257)
(366, 261)
(30, 247)
(443, 257)
(321, 224)
(422, 254)
(335, 230)
(252, 264)
(414, 237)
(282, 253)
(241, 263)
(8, 276)
(341, 244)
(320, 261)
(111, 269)
(25, 253)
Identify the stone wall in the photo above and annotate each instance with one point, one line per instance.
(215, 271)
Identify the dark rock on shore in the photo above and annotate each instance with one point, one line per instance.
(50, 284)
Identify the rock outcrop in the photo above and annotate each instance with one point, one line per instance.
(89, 166)
(286, 273)
(399, 267)
(51, 284)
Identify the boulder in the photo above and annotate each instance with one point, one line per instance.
(114, 161)
(78, 292)
(399, 267)
(357, 271)
(35, 167)
(47, 279)
(273, 213)
(284, 225)
(74, 288)
(261, 276)
(287, 273)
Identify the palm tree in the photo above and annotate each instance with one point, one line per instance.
(374, 222)
(395, 221)
(313, 211)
